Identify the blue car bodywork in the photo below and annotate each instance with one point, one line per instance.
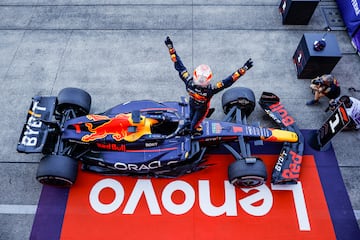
(141, 138)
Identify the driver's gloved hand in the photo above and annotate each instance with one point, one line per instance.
(249, 64)
(169, 43)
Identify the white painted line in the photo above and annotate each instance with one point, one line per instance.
(17, 209)
(357, 214)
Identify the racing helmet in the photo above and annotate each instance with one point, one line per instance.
(202, 75)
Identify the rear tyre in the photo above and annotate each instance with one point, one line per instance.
(57, 170)
(240, 97)
(74, 98)
(246, 175)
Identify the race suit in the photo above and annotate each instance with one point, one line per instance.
(199, 97)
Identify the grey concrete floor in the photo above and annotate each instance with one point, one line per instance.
(114, 49)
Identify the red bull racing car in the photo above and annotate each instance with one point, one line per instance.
(152, 139)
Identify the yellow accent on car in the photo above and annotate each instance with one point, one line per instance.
(281, 136)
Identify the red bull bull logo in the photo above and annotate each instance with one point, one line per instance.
(120, 127)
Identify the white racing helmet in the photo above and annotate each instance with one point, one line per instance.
(202, 75)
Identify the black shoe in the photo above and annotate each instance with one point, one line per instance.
(312, 102)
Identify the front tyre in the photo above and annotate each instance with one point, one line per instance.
(57, 170)
(240, 97)
(245, 175)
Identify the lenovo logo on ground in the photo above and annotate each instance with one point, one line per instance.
(201, 206)
(144, 188)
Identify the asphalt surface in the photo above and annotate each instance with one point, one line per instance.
(115, 50)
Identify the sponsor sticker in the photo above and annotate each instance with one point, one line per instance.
(216, 128)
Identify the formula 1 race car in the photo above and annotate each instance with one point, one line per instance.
(152, 139)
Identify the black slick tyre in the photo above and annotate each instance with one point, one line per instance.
(240, 97)
(242, 174)
(57, 170)
(74, 98)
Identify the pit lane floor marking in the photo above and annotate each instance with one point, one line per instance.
(31, 209)
(17, 209)
(357, 214)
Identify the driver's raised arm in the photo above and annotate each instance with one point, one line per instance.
(179, 66)
(227, 82)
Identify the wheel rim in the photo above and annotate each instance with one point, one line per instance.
(248, 181)
(55, 181)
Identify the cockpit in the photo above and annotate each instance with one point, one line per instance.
(167, 122)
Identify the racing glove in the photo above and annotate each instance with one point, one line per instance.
(169, 44)
(241, 71)
(249, 63)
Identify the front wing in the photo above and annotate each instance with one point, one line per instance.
(288, 164)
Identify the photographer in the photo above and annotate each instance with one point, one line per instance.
(326, 85)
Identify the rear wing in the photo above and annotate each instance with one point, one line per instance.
(287, 167)
(34, 133)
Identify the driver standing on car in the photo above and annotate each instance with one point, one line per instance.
(199, 88)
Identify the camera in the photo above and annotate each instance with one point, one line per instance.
(332, 105)
(317, 81)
